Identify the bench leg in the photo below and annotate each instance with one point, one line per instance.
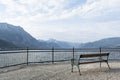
(72, 68)
(108, 65)
(100, 64)
(79, 69)
(72, 64)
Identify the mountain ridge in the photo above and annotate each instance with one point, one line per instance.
(112, 42)
(4, 44)
(16, 36)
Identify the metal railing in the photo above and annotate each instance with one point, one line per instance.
(53, 55)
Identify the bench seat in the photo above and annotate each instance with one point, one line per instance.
(87, 62)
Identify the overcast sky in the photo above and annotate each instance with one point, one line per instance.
(67, 20)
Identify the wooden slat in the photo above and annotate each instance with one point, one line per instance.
(93, 55)
(92, 62)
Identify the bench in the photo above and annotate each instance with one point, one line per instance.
(94, 58)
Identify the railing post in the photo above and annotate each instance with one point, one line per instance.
(27, 56)
(73, 54)
(53, 55)
(100, 56)
(100, 50)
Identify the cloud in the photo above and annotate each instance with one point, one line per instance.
(43, 9)
(47, 10)
(101, 9)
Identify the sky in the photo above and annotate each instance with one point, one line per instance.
(66, 20)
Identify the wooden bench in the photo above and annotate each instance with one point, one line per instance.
(94, 58)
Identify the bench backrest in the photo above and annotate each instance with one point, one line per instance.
(93, 55)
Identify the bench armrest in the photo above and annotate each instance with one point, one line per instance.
(74, 61)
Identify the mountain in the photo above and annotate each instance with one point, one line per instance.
(18, 36)
(5, 44)
(113, 42)
(60, 44)
(50, 44)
